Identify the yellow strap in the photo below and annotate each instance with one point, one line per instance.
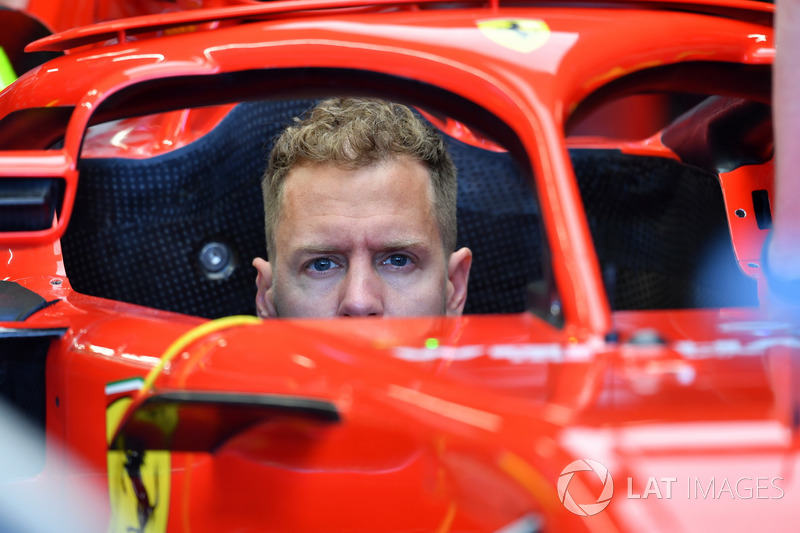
(192, 335)
(7, 74)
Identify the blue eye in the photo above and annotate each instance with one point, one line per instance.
(322, 264)
(397, 260)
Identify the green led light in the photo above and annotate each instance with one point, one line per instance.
(432, 344)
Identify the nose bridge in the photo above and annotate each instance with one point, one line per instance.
(361, 290)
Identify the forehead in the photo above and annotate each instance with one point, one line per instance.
(395, 195)
(399, 172)
(400, 180)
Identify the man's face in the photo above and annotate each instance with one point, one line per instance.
(360, 242)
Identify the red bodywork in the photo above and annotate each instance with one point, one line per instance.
(435, 424)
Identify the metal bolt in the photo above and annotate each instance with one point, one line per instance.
(215, 256)
(217, 260)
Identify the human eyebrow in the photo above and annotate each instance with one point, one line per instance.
(315, 249)
(414, 246)
(403, 244)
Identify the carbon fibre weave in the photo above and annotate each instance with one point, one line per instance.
(661, 233)
(139, 225)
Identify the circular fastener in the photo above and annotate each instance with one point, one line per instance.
(216, 260)
(215, 256)
(55, 282)
(741, 213)
(752, 265)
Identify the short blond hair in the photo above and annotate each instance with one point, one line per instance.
(354, 133)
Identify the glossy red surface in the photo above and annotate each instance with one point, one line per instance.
(446, 424)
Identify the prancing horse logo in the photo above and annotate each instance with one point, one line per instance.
(520, 35)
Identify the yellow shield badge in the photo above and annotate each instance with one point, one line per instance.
(138, 484)
(520, 35)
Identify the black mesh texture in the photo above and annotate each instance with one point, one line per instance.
(498, 220)
(138, 225)
(661, 233)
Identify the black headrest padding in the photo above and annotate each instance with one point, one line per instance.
(498, 219)
(660, 231)
(139, 224)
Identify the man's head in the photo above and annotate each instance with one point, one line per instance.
(360, 201)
